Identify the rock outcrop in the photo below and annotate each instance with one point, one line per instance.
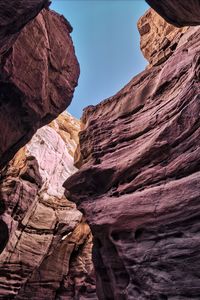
(158, 38)
(179, 13)
(46, 245)
(38, 71)
(139, 185)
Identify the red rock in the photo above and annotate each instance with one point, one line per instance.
(38, 74)
(139, 185)
(14, 15)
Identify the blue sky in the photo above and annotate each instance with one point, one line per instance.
(106, 41)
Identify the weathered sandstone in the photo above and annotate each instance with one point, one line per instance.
(158, 38)
(46, 247)
(14, 15)
(38, 71)
(139, 184)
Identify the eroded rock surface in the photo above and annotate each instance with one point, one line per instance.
(139, 186)
(13, 16)
(38, 71)
(159, 39)
(47, 245)
(179, 13)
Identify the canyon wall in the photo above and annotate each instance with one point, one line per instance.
(38, 71)
(14, 15)
(45, 242)
(139, 184)
(158, 38)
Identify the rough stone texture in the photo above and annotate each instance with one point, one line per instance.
(178, 12)
(158, 38)
(139, 186)
(38, 73)
(13, 16)
(46, 246)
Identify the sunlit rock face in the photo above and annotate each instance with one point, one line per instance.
(179, 13)
(38, 71)
(139, 184)
(159, 39)
(46, 248)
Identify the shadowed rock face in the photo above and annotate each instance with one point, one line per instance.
(13, 16)
(179, 13)
(38, 72)
(46, 245)
(139, 185)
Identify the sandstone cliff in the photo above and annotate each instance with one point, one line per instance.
(139, 184)
(158, 38)
(45, 242)
(38, 71)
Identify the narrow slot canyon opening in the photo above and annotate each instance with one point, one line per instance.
(107, 45)
(102, 203)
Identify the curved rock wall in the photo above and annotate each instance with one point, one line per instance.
(139, 185)
(47, 245)
(38, 71)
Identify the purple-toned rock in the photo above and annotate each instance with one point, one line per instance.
(13, 16)
(139, 184)
(38, 71)
(178, 12)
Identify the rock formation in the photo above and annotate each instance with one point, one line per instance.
(139, 184)
(158, 38)
(46, 244)
(179, 13)
(38, 71)
(14, 15)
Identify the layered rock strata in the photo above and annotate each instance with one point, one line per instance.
(158, 38)
(46, 245)
(139, 184)
(38, 71)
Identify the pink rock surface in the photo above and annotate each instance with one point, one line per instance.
(38, 73)
(46, 248)
(139, 185)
